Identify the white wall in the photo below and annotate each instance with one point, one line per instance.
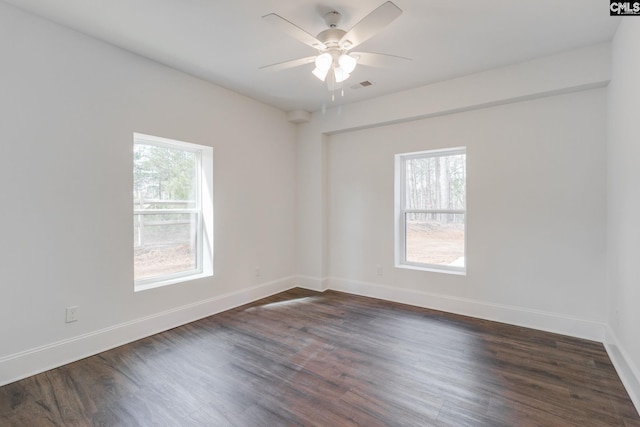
(535, 195)
(536, 226)
(624, 205)
(68, 108)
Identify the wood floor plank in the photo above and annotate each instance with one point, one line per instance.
(302, 358)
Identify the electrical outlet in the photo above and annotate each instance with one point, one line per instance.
(379, 270)
(72, 314)
(257, 271)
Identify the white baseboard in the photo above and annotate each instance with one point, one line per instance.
(550, 322)
(312, 283)
(24, 364)
(626, 369)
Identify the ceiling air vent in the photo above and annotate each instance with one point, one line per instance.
(362, 84)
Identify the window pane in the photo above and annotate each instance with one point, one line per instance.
(164, 244)
(435, 182)
(435, 239)
(164, 178)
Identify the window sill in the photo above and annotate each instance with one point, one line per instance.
(434, 269)
(172, 281)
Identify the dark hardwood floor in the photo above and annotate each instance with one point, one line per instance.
(331, 359)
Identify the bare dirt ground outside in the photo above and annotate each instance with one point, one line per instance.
(159, 261)
(434, 242)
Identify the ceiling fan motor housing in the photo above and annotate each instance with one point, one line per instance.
(331, 37)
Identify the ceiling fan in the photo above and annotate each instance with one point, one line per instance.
(335, 62)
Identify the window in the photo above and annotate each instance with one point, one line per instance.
(172, 211)
(431, 210)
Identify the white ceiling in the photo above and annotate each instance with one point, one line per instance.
(226, 41)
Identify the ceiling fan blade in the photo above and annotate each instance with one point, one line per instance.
(370, 25)
(379, 59)
(294, 31)
(289, 64)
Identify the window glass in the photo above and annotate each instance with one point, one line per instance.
(432, 209)
(168, 198)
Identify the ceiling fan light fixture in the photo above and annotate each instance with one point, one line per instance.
(347, 63)
(320, 73)
(323, 62)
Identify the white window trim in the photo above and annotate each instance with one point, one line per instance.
(204, 210)
(400, 213)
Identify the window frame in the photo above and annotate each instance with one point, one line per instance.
(203, 209)
(401, 212)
